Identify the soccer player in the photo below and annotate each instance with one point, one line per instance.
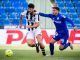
(61, 29)
(33, 28)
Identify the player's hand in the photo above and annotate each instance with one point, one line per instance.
(37, 12)
(28, 26)
(20, 26)
(75, 28)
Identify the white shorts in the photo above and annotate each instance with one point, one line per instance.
(33, 34)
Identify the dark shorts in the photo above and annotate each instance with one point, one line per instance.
(61, 35)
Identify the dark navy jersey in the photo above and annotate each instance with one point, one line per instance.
(59, 21)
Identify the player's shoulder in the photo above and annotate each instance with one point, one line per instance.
(63, 16)
(24, 12)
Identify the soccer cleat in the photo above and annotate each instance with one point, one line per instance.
(37, 48)
(44, 54)
(71, 46)
(52, 54)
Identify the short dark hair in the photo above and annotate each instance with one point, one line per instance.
(31, 5)
(57, 8)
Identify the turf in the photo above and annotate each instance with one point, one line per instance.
(32, 55)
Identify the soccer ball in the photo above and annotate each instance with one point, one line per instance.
(8, 53)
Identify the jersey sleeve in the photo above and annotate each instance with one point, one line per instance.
(24, 13)
(44, 15)
(69, 20)
(36, 18)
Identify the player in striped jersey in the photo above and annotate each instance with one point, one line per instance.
(33, 28)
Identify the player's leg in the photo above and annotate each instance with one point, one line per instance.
(64, 46)
(30, 39)
(38, 35)
(37, 47)
(51, 46)
(54, 39)
(64, 43)
(30, 43)
(36, 42)
(42, 47)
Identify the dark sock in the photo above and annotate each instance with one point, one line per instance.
(37, 47)
(66, 45)
(51, 48)
(43, 51)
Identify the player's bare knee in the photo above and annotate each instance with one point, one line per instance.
(42, 46)
(52, 41)
(61, 48)
(39, 38)
(31, 45)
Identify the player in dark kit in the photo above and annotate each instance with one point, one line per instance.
(33, 28)
(61, 29)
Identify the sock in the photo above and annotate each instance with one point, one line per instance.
(43, 51)
(66, 45)
(51, 48)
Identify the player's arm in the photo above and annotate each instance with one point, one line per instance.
(36, 24)
(71, 22)
(20, 23)
(22, 15)
(44, 15)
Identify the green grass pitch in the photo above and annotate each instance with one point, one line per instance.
(30, 54)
